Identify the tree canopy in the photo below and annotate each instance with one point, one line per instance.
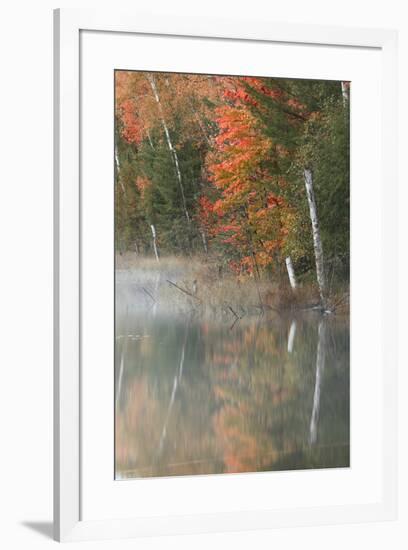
(216, 164)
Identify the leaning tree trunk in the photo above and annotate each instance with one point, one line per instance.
(291, 273)
(172, 150)
(317, 241)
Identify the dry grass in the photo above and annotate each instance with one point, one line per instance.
(131, 261)
(199, 285)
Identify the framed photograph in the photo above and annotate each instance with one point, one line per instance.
(225, 275)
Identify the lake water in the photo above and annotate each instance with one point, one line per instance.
(209, 395)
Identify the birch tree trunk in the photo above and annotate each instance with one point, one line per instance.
(317, 241)
(172, 150)
(117, 163)
(150, 140)
(204, 239)
(200, 123)
(291, 273)
(156, 253)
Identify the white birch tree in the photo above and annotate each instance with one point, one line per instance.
(117, 163)
(317, 241)
(291, 273)
(172, 150)
(156, 252)
(204, 240)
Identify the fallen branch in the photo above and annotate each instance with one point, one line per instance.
(184, 290)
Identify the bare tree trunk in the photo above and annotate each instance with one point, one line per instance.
(199, 122)
(172, 150)
(320, 360)
(118, 170)
(156, 253)
(317, 241)
(291, 273)
(204, 239)
(150, 140)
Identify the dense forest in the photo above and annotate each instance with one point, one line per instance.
(246, 176)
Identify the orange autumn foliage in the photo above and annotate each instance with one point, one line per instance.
(247, 213)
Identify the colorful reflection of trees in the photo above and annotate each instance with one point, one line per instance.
(199, 398)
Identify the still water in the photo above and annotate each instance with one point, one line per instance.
(207, 396)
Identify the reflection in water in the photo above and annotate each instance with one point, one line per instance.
(320, 357)
(291, 337)
(176, 382)
(199, 396)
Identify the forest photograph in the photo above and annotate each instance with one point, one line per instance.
(232, 274)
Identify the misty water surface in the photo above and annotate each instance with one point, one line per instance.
(206, 395)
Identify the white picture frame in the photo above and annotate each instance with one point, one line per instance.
(68, 474)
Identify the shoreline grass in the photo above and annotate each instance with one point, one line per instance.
(199, 285)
